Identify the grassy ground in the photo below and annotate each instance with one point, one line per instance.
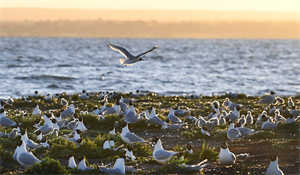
(284, 141)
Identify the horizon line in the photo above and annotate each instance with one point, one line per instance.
(113, 9)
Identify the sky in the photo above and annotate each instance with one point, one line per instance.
(236, 5)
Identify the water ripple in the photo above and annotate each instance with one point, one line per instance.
(178, 66)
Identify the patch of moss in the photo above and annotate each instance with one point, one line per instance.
(204, 152)
(61, 148)
(47, 166)
(287, 129)
(262, 135)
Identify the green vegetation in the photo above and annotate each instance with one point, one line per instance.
(47, 166)
(54, 159)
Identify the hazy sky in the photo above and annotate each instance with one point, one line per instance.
(248, 5)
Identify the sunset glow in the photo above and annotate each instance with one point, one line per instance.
(241, 5)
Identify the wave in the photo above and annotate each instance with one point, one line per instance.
(53, 86)
(46, 77)
(64, 65)
(15, 65)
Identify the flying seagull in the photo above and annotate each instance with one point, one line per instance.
(129, 58)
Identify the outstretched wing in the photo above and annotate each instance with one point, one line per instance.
(121, 50)
(153, 48)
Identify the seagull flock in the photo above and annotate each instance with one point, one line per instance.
(226, 114)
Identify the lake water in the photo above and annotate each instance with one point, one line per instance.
(178, 66)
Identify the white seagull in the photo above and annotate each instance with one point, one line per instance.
(268, 98)
(129, 155)
(225, 156)
(173, 118)
(76, 136)
(153, 118)
(25, 158)
(36, 111)
(129, 137)
(131, 116)
(129, 58)
(112, 132)
(119, 168)
(249, 118)
(82, 165)
(29, 143)
(4, 121)
(72, 163)
(273, 168)
(160, 154)
(69, 112)
(80, 126)
(108, 144)
(233, 133)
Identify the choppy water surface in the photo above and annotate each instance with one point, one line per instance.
(178, 66)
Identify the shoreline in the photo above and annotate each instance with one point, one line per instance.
(146, 92)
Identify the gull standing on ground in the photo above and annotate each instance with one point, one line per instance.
(131, 116)
(235, 114)
(84, 95)
(29, 143)
(245, 131)
(129, 58)
(72, 163)
(76, 136)
(273, 168)
(233, 133)
(80, 126)
(204, 131)
(129, 155)
(36, 111)
(119, 168)
(290, 102)
(160, 154)
(222, 121)
(173, 118)
(260, 117)
(268, 98)
(249, 118)
(112, 132)
(4, 121)
(69, 112)
(225, 156)
(201, 122)
(13, 133)
(279, 117)
(242, 121)
(25, 158)
(19, 149)
(268, 125)
(108, 144)
(129, 137)
(153, 118)
(82, 165)
(46, 128)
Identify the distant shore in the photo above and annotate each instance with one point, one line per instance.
(151, 29)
